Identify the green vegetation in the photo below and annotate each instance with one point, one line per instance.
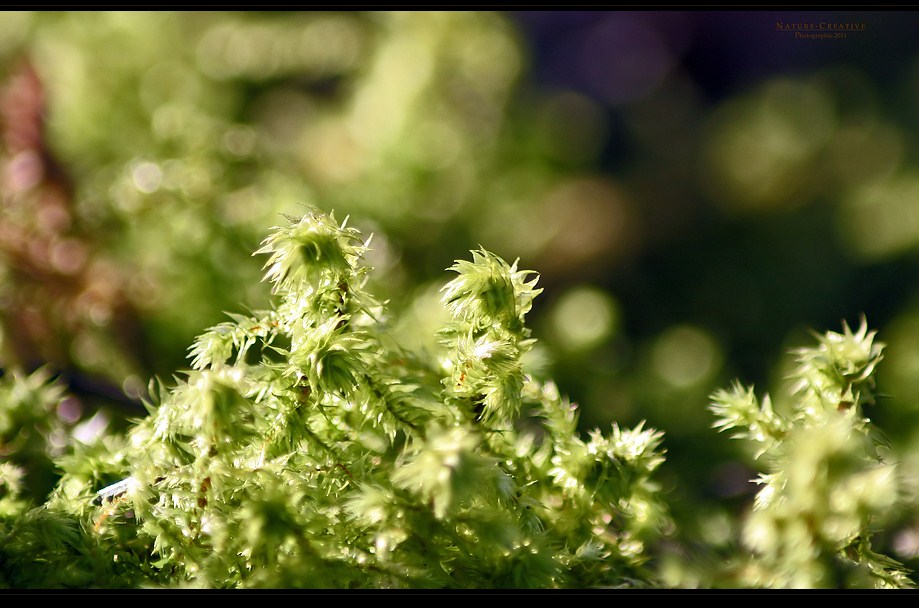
(355, 418)
(307, 449)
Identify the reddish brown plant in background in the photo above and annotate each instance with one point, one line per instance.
(62, 294)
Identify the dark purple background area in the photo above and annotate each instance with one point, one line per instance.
(790, 261)
(722, 51)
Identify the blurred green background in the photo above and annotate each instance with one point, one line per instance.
(698, 190)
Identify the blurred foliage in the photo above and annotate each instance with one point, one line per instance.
(695, 189)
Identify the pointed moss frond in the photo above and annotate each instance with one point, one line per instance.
(739, 409)
(306, 448)
(314, 252)
(827, 490)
